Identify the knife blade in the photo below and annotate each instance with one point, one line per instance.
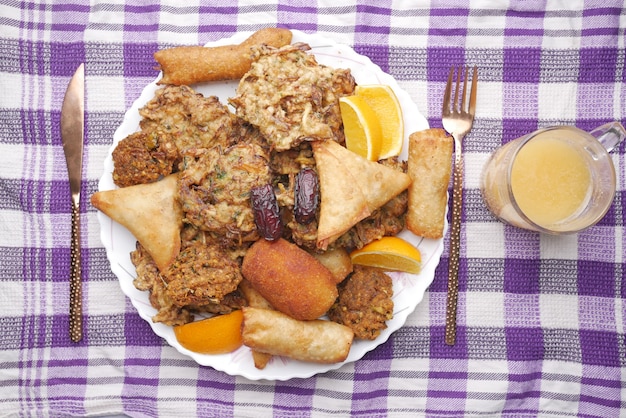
(72, 134)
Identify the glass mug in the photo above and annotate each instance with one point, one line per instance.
(555, 180)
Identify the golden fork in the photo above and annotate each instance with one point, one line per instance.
(457, 121)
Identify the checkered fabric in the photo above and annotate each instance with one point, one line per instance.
(541, 318)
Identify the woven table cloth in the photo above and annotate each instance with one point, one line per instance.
(540, 318)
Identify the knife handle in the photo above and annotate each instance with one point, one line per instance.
(76, 293)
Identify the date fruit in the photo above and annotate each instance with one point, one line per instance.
(266, 212)
(306, 196)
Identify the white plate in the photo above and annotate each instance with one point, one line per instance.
(408, 288)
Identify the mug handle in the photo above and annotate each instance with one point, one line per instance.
(609, 135)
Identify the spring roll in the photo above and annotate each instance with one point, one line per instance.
(194, 64)
(256, 300)
(429, 166)
(275, 333)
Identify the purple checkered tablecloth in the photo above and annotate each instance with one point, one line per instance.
(541, 318)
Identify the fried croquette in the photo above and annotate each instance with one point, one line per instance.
(291, 279)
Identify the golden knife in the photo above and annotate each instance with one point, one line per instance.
(72, 133)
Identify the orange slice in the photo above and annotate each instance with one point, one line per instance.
(216, 335)
(389, 253)
(383, 101)
(361, 127)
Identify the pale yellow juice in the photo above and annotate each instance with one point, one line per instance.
(550, 180)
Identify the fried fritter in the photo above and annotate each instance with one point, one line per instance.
(364, 302)
(149, 279)
(170, 313)
(201, 275)
(291, 98)
(194, 121)
(144, 157)
(214, 189)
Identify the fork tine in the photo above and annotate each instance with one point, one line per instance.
(462, 102)
(447, 93)
(472, 99)
(456, 106)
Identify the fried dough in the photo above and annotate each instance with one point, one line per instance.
(291, 279)
(337, 260)
(351, 188)
(429, 165)
(151, 212)
(185, 65)
(255, 300)
(275, 333)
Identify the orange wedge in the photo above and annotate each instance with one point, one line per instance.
(361, 127)
(389, 253)
(216, 335)
(383, 101)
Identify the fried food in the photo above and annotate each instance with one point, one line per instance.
(337, 260)
(291, 98)
(144, 157)
(275, 333)
(256, 300)
(429, 165)
(364, 302)
(148, 279)
(352, 188)
(140, 209)
(291, 279)
(194, 64)
(192, 120)
(215, 186)
(201, 274)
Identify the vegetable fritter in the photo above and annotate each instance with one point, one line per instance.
(364, 302)
(201, 274)
(214, 189)
(291, 98)
(193, 120)
(177, 303)
(144, 157)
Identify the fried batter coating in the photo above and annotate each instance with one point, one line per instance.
(215, 185)
(144, 157)
(168, 312)
(194, 121)
(364, 302)
(291, 98)
(149, 279)
(291, 279)
(201, 275)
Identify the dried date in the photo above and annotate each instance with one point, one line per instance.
(306, 196)
(266, 212)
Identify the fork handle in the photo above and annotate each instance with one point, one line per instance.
(455, 245)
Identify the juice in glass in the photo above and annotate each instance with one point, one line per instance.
(550, 180)
(555, 180)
